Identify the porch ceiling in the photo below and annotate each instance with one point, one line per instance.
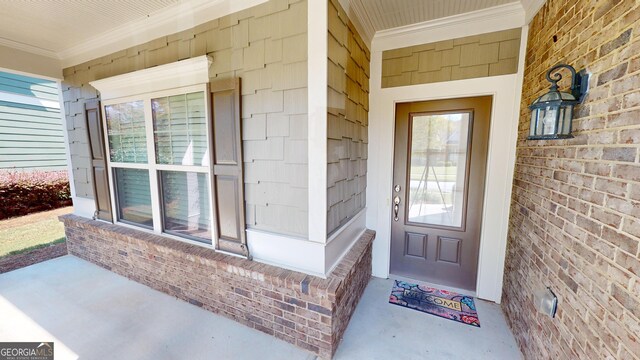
(72, 32)
(55, 25)
(385, 14)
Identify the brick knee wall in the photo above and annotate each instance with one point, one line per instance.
(301, 309)
(18, 261)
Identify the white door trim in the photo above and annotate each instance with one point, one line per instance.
(506, 91)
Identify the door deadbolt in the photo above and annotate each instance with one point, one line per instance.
(397, 188)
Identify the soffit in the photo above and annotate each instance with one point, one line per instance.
(56, 25)
(385, 14)
(75, 31)
(374, 18)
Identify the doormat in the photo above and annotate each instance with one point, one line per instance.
(446, 304)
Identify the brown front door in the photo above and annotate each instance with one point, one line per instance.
(439, 174)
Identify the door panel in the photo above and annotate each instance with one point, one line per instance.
(439, 175)
(416, 245)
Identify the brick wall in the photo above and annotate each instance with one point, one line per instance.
(13, 262)
(469, 57)
(348, 109)
(575, 214)
(266, 46)
(304, 310)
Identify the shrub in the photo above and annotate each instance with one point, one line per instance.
(25, 192)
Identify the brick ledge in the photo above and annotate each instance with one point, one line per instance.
(305, 310)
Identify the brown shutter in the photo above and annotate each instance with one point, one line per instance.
(98, 161)
(227, 166)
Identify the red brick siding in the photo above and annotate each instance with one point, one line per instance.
(575, 210)
(304, 310)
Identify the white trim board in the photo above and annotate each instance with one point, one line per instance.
(31, 64)
(360, 20)
(286, 252)
(82, 206)
(531, 8)
(79, 208)
(299, 254)
(163, 77)
(29, 49)
(317, 63)
(339, 244)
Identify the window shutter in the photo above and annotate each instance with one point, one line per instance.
(227, 166)
(98, 161)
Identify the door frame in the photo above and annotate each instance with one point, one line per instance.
(499, 175)
(505, 116)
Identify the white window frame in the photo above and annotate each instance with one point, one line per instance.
(181, 77)
(154, 168)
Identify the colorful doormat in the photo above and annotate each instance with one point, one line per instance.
(446, 304)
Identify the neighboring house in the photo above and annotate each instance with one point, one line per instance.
(243, 156)
(31, 133)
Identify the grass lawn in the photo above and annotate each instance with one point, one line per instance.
(444, 173)
(31, 231)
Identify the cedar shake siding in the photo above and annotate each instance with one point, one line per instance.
(575, 207)
(347, 119)
(265, 46)
(469, 57)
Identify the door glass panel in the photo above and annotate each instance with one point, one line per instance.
(438, 171)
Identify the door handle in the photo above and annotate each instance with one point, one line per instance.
(396, 207)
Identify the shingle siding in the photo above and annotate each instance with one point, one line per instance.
(31, 136)
(469, 57)
(266, 47)
(348, 108)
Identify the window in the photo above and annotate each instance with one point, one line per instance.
(158, 146)
(160, 127)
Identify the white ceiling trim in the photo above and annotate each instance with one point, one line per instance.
(495, 12)
(496, 18)
(531, 8)
(360, 20)
(29, 48)
(170, 20)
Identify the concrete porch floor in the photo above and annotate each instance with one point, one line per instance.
(92, 313)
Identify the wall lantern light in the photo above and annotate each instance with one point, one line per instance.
(552, 113)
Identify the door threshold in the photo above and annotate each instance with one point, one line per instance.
(433, 285)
